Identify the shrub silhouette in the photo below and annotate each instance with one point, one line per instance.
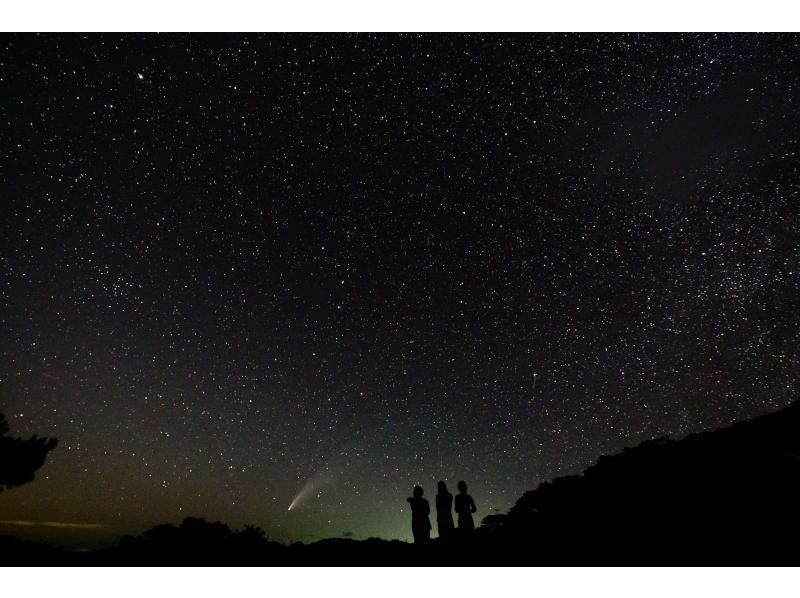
(194, 541)
(19, 459)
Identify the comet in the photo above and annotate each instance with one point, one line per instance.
(307, 488)
(314, 483)
(342, 457)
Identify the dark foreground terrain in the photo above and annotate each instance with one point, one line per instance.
(729, 497)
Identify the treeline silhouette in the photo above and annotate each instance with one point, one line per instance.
(729, 497)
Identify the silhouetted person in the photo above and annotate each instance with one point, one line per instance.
(465, 507)
(420, 522)
(444, 511)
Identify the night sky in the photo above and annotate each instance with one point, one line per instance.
(239, 269)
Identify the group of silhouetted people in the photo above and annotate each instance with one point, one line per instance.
(420, 510)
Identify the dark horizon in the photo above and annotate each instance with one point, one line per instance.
(243, 272)
(727, 497)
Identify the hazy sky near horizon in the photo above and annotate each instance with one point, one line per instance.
(241, 268)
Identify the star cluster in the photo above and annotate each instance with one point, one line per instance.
(232, 264)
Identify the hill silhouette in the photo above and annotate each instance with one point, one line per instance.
(725, 497)
(728, 497)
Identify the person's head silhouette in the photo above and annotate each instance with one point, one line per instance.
(462, 487)
(418, 491)
(442, 487)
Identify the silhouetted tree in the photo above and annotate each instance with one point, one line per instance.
(494, 522)
(19, 459)
(251, 538)
(254, 532)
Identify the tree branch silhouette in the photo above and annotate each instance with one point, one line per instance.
(19, 458)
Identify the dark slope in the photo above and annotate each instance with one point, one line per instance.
(728, 496)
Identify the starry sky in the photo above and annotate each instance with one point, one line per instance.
(239, 269)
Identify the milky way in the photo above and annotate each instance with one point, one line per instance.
(231, 263)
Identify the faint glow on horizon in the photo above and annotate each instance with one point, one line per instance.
(63, 524)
